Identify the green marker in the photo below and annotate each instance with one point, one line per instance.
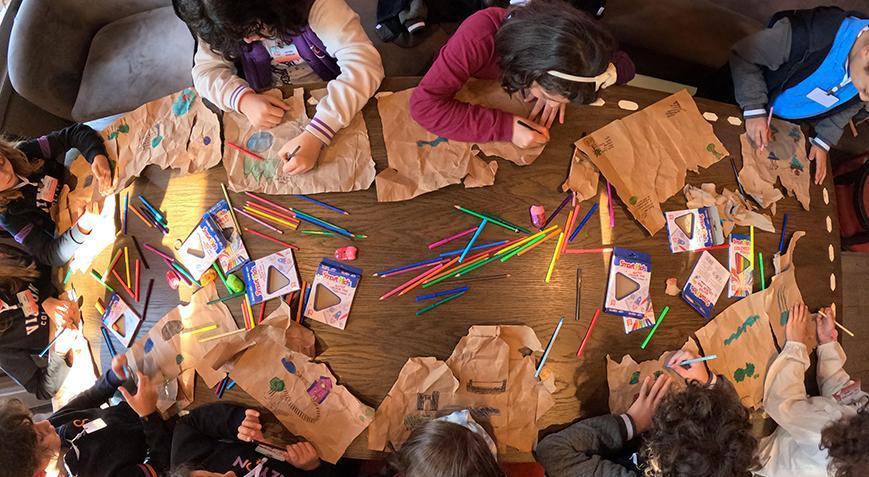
(439, 303)
(657, 324)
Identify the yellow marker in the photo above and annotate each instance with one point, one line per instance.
(268, 216)
(555, 255)
(201, 329)
(524, 241)
(127, 263)
(222, 335)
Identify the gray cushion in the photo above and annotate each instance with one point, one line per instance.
(135, 60)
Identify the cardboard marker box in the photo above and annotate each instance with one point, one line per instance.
(705, 284)
(332, 293)
(627, 291)
(741, 267)
(693, 229)
(117, 311)
(201, 247)
(279, 266)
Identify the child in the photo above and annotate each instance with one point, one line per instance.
(245, 47)
(795, 448)
(112, 441)
(809, 64)
(216, 439)
(672, 425)
(450, 446)
(550, 52)
(24, 285)
(30, 182)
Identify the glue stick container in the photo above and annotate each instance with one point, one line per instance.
(538, 216)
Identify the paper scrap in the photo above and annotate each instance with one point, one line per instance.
(784, 159)
(733, 209)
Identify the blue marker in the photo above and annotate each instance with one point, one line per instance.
(441, 293)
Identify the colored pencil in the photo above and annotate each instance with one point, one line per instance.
(548, 347)
(450, 271)
(183, 271)
(301, 302)
(268, 202)
(102, 282)
(840, 325)
(484, 278)
(142, 217)
(784, 227)
(127, 265)
(495, 217)
(281, 215)
(272, 239)
(762, 278)
(201, 329)
(268, 226)
(51, 343)
(515, 251)
(588, 333)
(139, 251)
(158, 252)
(736, 176)
(244, 151)
(328, 234)
(697, 360)
(751, 255)
(248, 314)
(526, 249)
(482, 246)
(262, 312)
(555, 255)
(769, 118)
(481, 217)
(269, 217)
(321, 204)
(473, 239)
(178, 274)
(226, 298)
(528, 126)
(427, 265)
(407, 267)
(524, 241)
(578, 285)
(160, 216)
(100, 308)
(714, 247)
(67, 276)
(557, 210)
(583, 222)
(609, 200)
(222, 335)
(418, 278)
(571, 219)
(137, 279)
(441, 293)
(655, 328)
(121, 280)
(229, 205)
(113, 262)
(126, 211)
(471, 268)
(588, 250)
(153, 221)
(307, 295)
(109, 346)
(440, 242)
(439, 303)
(322, 223)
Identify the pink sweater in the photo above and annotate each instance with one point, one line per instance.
(470, 53)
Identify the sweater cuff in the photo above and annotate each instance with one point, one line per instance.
(754, 112)
(77, 235)
(504, 127)
(626, 426)
(236, 94)
(321, 130)
(713, 378)
(820, 143)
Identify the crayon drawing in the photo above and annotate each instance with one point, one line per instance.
(742, 373)
(783, 160)
(741, 329)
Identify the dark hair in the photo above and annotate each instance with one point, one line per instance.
(702, 430)
(17, 270)
(224, 24)
(847, 443)
(444, 449)
(548, 35)
(22, 166)
(20, 454)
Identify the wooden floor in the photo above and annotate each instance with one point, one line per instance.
(855, 297)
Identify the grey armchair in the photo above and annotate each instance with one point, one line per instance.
(82, 60)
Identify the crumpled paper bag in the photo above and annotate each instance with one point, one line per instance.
(302, 394)
(625, 378)
(782, 294)
(583, 177)
(421, 162)
(784, 158)
(487, 374)
(343, 166)
(647, 154)
(733, 209)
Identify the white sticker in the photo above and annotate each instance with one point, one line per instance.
(826, 196)
(821, 97)
(28, 303)
(628, 105)
(93, 426)
(832, 282)
(829, 225)
(597, 102)
(734, 120)
(832, 253)
(711, 117)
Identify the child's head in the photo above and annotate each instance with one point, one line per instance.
(13, 163)
(701, 431)
(27, 446)
(445, 449)
(847, 443)
(226, 25)
(550, 35)
(858, 62)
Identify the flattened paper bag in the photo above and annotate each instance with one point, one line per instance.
(344, 165)
(646, 155)
(784, 159)
(625, 378)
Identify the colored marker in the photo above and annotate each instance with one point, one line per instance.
(784, 227)
(583, 221)
(549, 347)
(655, 328)
(438, 303)
(321, 204)
(441, 293)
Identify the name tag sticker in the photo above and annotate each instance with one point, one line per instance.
(28, 303)
(821, 97)
(94, 426)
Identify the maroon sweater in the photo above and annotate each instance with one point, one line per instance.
(470, 53)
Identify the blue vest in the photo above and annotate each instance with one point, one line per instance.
(793, 103)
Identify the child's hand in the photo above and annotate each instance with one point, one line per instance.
(88, 219)
(102, 173)
(301, 153)
(547, 109)
(758, 131)
(826, 325)
(144, 402)
(250, 429)
(693, 371)
(525, 137)
(64, 313)
(797, 328)
(821, 158)
(263, 111)
(302, 455)
(642, 410)
(119, 366)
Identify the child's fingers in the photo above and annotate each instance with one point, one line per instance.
(251, 413)
(561, 111)
(278, 102)
(293, 454)
(662, 391)
(644, 389)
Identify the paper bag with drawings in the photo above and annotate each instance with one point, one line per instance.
(625, 378)
(784, 159)
(782, 294)
(487, 373)
(583, 177)
(666, 139)
(302, 394)
(343, 166)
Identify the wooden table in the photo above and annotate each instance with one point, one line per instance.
(382, 335)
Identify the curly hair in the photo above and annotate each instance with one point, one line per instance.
(444, 449)
(702, 430)
(20, 454)
(224, 24)
(22, 166)
(847, 443)
(548, 35)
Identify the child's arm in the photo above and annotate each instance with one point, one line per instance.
(337, 25)
(45, 248)
(770, 48)
(54, 145)
(92, 398)
(831, 372)
(578, 449)
(216, 421)
(829, 130)
(216, 79)
(433, 104)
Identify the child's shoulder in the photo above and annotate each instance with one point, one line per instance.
(485, 20)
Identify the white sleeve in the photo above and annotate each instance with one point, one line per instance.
(338, 27)
(216, 78)
(831, 368)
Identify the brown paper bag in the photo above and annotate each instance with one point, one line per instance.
(583, 177)
(625, 378)
(784, 159)
(783, 293)
(646, 155)
(733, 209)
(345, 165)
